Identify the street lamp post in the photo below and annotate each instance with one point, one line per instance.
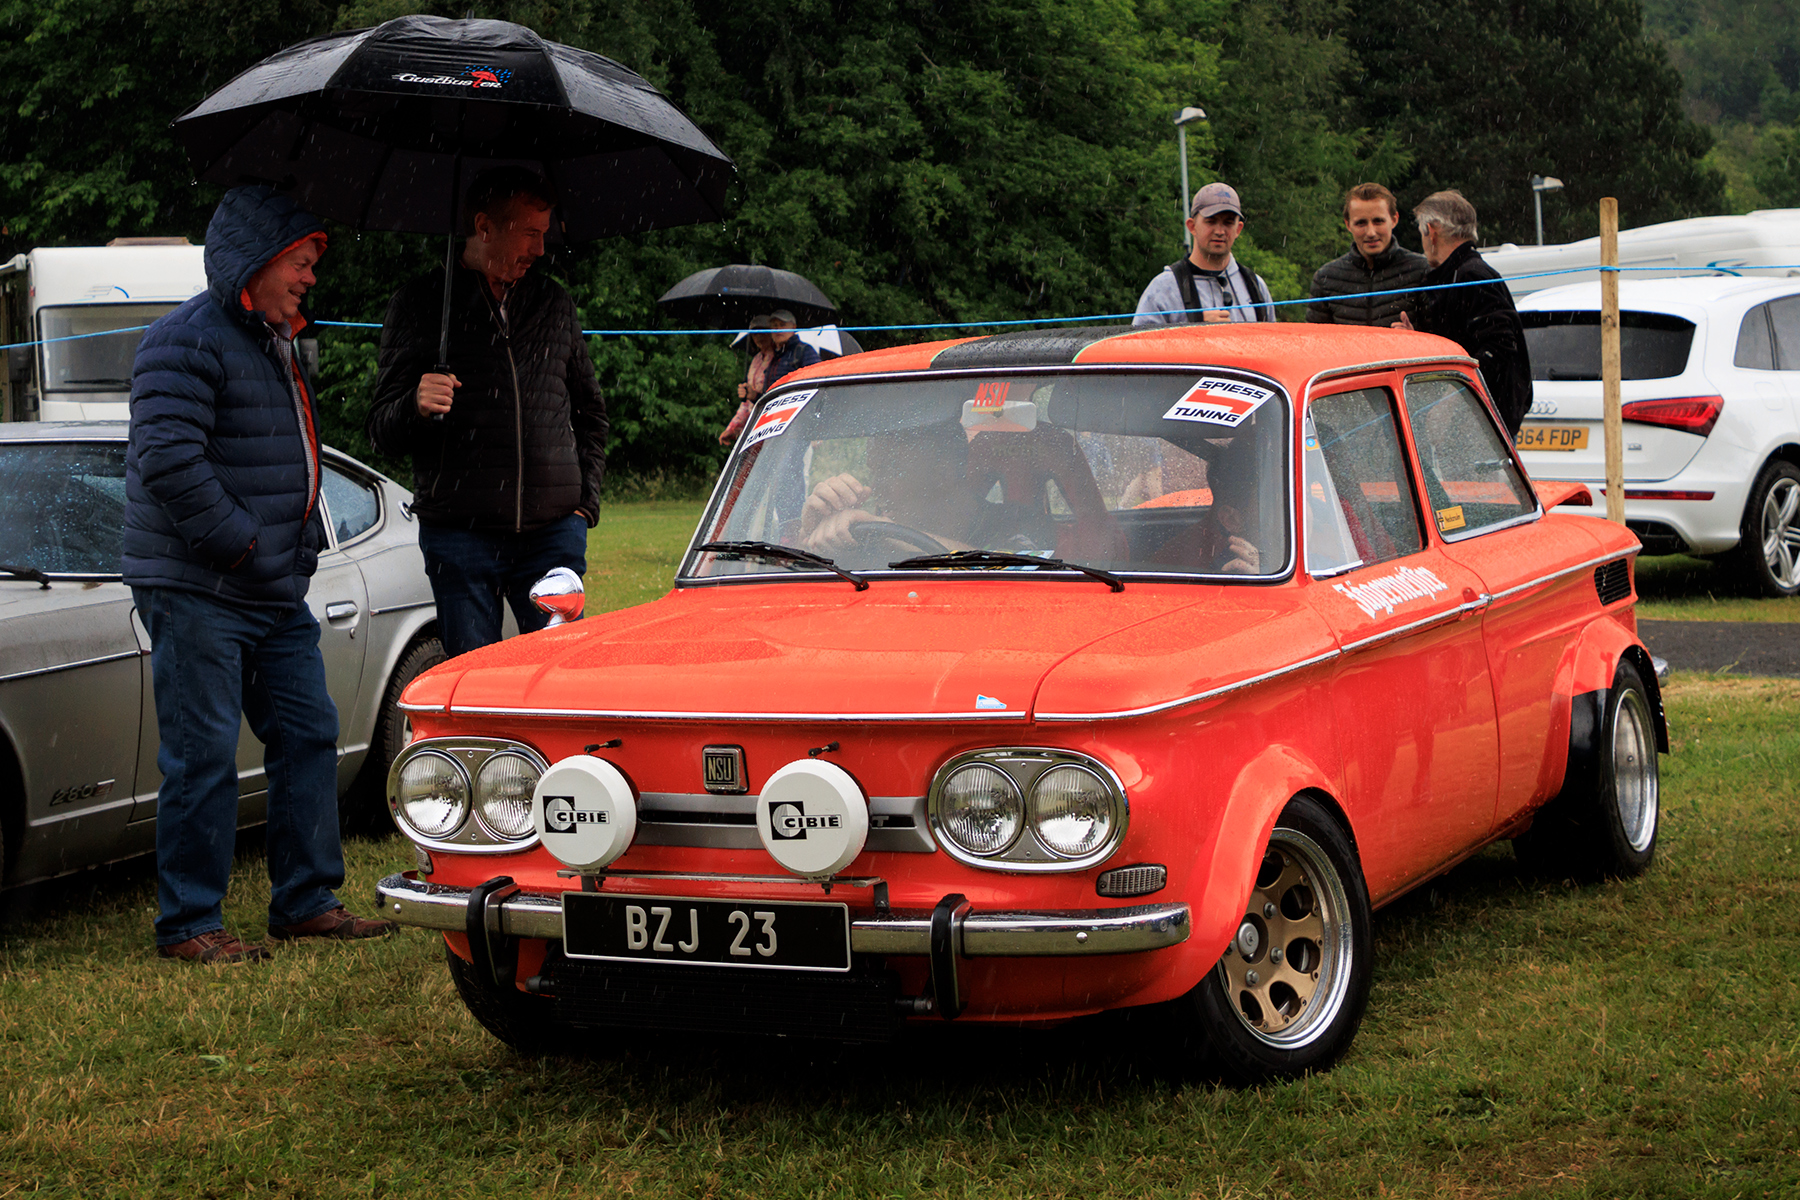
(1183, 119)
(1539, 185)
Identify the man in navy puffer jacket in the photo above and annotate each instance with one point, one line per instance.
(222, 534)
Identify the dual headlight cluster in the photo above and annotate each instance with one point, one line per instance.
(1028, 809)
(465, 793)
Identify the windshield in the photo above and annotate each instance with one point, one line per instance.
(93, 364)
(1566, 344)
(62, 506)
(1176, 473)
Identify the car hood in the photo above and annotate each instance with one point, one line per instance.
(962, 649)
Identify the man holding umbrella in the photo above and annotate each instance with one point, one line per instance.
(509, 443)
(778, 354)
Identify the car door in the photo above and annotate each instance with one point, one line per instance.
(1538, 574)
(1411, 703)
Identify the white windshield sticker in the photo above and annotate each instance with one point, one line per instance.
(778, 417)
(1224, 402)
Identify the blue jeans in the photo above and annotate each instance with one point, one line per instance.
(471, 569)
(211, 661)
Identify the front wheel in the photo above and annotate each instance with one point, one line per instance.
(1288, 994)
(526, 1023)
(1768, 553)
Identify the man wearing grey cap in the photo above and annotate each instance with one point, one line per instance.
(1208, 285)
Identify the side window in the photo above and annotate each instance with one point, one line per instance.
(1784, 315)
(352, 505)
(1359, 502)
(1754, 350)
(1471, 481)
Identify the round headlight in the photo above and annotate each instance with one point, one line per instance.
(1072, 811)
(980, 809)
(503, 790)
(433, 795)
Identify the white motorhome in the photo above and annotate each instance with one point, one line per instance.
(1765, 242)
(80, 310)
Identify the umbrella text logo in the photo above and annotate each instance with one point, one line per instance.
(471, 77)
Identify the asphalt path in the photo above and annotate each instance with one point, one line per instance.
(1739, 647)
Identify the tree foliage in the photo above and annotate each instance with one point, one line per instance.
(922, 162)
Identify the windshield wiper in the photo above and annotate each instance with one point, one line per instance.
(1003, 558)
(32, 573)
(779, 553)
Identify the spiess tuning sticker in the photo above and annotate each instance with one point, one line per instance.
(1224, 402)
(777, 417)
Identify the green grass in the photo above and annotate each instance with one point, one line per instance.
(1525, 1038)
(1676, 587)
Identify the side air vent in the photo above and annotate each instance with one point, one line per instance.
(1612, 581)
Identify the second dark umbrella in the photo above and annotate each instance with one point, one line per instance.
(727, 297)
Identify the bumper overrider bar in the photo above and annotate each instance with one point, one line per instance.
(953, 929)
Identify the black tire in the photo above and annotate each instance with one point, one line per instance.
(1767, 557)
(363, 809)
(526, 1023)
(1287, 996)
(1604, 823)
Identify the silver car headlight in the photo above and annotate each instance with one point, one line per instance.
(432, 794)
(1072, 810)
(503, 788)
(980, 809)
(1028, 808)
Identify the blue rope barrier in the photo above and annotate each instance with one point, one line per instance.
(1700, 272)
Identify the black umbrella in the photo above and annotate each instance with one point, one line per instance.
(727, 297)
(383, 128)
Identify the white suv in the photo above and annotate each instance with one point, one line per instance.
(1711, 396)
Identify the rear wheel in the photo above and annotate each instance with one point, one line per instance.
(363, 810)
(1287, 996)
(1768, 553)
(526, 1023)
(1605, 820)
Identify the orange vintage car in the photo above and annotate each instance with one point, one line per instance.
(1031, 676)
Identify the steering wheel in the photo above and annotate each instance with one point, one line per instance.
(870, 534)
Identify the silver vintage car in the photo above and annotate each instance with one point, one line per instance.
(78, 737)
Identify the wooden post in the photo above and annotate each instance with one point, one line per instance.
(1610, 368)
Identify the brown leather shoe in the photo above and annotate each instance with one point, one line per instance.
(339, 923)
(214, 946)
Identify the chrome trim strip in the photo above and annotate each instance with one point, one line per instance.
(1554, 575)
(394, 608)
(86, 662)
(554, 714)
(1195, 698)
(413, 901)
(1437, 618)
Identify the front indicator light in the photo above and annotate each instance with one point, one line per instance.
(980, 809)
(433, 795)
(503, 789)
(1071, 810)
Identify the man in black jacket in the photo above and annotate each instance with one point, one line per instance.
(1377, 263)
(1479, 316)
(508, 439)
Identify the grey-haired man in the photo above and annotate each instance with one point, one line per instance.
(1208, 285)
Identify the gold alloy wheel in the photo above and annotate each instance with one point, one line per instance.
(1286, 971)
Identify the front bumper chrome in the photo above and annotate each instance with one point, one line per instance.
(413, 901)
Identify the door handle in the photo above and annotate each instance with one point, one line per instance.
(341, 611)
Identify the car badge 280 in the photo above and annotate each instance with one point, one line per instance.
(723, 770)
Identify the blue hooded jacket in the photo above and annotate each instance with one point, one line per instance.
(222, 472)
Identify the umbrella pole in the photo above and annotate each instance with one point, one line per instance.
(443, 362)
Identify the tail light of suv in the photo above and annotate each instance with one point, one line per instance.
(1689, 414)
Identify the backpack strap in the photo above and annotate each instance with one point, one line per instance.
(1259, 296)
(1183, 270)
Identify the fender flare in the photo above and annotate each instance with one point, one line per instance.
(1259, 794)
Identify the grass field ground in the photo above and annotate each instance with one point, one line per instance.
(1525, 1038)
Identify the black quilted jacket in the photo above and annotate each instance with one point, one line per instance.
(1341, 287)
(524, 443)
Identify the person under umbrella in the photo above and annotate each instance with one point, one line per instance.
(778, 354)
(509, 445)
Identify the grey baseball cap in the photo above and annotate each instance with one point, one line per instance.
(1216, 198)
